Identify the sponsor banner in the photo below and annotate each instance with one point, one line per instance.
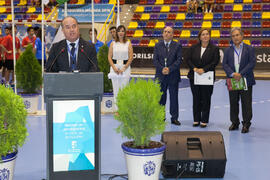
(83, 13)
(143, 57)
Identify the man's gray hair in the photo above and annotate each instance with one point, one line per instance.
(68, 17)
(237, 29)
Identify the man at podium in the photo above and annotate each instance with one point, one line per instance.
(73, 54)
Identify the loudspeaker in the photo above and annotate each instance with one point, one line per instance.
(193, 154)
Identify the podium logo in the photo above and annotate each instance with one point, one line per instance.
(263, 58)
(143, 55)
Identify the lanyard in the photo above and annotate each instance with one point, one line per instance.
(238, 54)
(69, 51)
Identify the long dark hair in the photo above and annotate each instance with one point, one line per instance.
(118, 30)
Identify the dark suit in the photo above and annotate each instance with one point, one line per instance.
(202, 93)
(170, 81)
(83, 64)
(247, 64)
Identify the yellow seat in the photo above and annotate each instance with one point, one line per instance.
(2, 9)
(133, 25)
(206, 24)
(9, 17)
(208, 16)
(180, 16)
(31, 10)
(215, 34)
(236, 24)
(138, 33)
(112, 2)
(145, 17)
(185, 34)
(229, 1)
(237, 7)
(39, 18)
(81, 2)
(22, 3)
(139, 9)
(165, 9)
(159, 2)
(176, 40)
(266, 15)
(2, 2)
(160, 25)
(152, 42)
(247, 41)
(247, 1)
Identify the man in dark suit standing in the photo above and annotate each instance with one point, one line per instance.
(238, 62)
(167, 60)
(73, 53)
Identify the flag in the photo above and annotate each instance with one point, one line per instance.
(59, 35)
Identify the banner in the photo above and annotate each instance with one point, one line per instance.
(83, 13)
(73, 135)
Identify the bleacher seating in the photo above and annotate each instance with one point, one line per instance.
(151, 16)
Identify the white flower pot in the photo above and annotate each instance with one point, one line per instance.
(143, 164)
(7, 166)
(31, 102)
(107, 103)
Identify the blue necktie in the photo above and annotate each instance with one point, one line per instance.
(73, 57)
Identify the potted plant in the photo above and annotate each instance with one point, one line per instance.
(29, 78)
(107, 104)
(141, 117)
(13, 131)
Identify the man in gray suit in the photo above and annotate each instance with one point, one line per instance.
(167, 60)
(239, 62)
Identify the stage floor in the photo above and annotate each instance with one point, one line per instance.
(248, 154)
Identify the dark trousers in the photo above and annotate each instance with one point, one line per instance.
(173, 90)
(246, 102)
(201, 101)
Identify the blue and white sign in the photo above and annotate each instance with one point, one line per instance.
(83, 13)
(73, 135)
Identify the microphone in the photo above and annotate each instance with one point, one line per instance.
(54, 60)
(81, 49)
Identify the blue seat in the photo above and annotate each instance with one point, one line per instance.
(141, 25)
(38, 10)
(18, 17)
(189, 16)
(3, 16)
(157, 33)
(194, 33)
(148, 9)
(247, 7)
(216, 24)
(17, 10)
(257, 15)
(256, 24)
(178, 24)
(266, 33)
(217, 16)
(162, 17)
(238, 1)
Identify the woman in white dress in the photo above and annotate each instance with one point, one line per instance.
(120, 57)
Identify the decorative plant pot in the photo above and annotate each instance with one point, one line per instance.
(107, 103)
(143, 164)
(31, 102)
(7, 166)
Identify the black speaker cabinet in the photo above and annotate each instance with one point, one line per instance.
(193, 154)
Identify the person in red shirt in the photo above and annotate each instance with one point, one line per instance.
(1, 58)
(30, 39)
(9, 60)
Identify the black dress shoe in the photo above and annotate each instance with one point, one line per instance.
(196, 124)
(245, 129)
(233, 127)
(176, 122)
(203, 125)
